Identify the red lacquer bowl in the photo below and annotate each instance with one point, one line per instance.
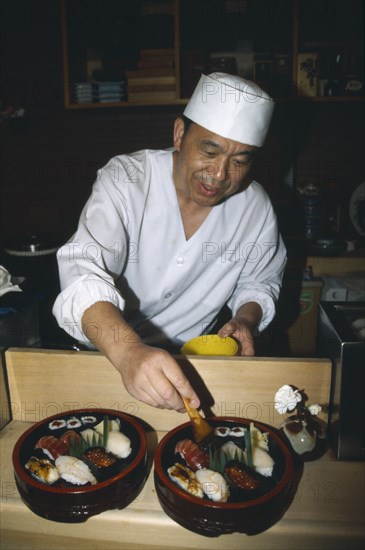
(209, 518)
(65, 502)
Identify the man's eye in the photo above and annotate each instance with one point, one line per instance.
(209, 153)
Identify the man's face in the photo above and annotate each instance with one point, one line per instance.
(208, 167)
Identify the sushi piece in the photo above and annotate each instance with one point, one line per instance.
(99, 458)
(239, 474)
(237, 431)
(57, 424)
(214, 485)
(52, 446)
(118, 444)
(192, 454)
(101, 464)
(70, 437)
(222, 431)
(74, 470)
(186, 479)
(43, 470)
(262, 461)
(88, 419)
(73, 422)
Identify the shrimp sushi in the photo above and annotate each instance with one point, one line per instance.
(192, 454)
(74, 470)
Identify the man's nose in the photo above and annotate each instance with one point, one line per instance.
(218, 169)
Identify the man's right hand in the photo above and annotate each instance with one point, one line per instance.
(149, 374)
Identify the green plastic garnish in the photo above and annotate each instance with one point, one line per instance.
(78, 446)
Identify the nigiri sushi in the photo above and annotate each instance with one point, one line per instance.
(118, 444)
(52, 446)
(214, 485)
(43, 470)
(70, 437)
(75, 471)
(186, 479)
(192, 454)
(262, 461)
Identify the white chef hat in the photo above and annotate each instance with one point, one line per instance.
(231, 107)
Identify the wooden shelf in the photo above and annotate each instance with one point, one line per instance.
(181, 42)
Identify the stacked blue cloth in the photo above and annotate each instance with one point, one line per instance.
(112, 91)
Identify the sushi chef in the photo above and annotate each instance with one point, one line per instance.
(168, 237)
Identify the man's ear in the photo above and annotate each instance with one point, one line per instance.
(179, 130)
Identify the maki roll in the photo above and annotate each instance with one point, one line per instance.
(73, 422)
(57, 424)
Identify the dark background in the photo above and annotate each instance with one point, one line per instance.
(49, 157)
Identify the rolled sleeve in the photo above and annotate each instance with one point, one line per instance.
(72, 303)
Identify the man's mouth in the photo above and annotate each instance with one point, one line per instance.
(208, 190)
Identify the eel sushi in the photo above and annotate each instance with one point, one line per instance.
(52, 446)
(186, 479)
(74, 471)
(192, 454)
(43, 470)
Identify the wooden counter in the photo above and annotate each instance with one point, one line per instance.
(327, 510)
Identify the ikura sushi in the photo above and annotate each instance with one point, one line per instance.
(43, 470)
(186, 479)
(192, 454)
(101, 463)
(240, 476)
(52, 446)
(74, 470)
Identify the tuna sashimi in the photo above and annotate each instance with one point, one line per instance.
(192, 454)
(52, 446)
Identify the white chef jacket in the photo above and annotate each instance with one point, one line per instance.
(130, 249)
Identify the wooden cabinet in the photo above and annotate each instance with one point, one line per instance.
(152, 52)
